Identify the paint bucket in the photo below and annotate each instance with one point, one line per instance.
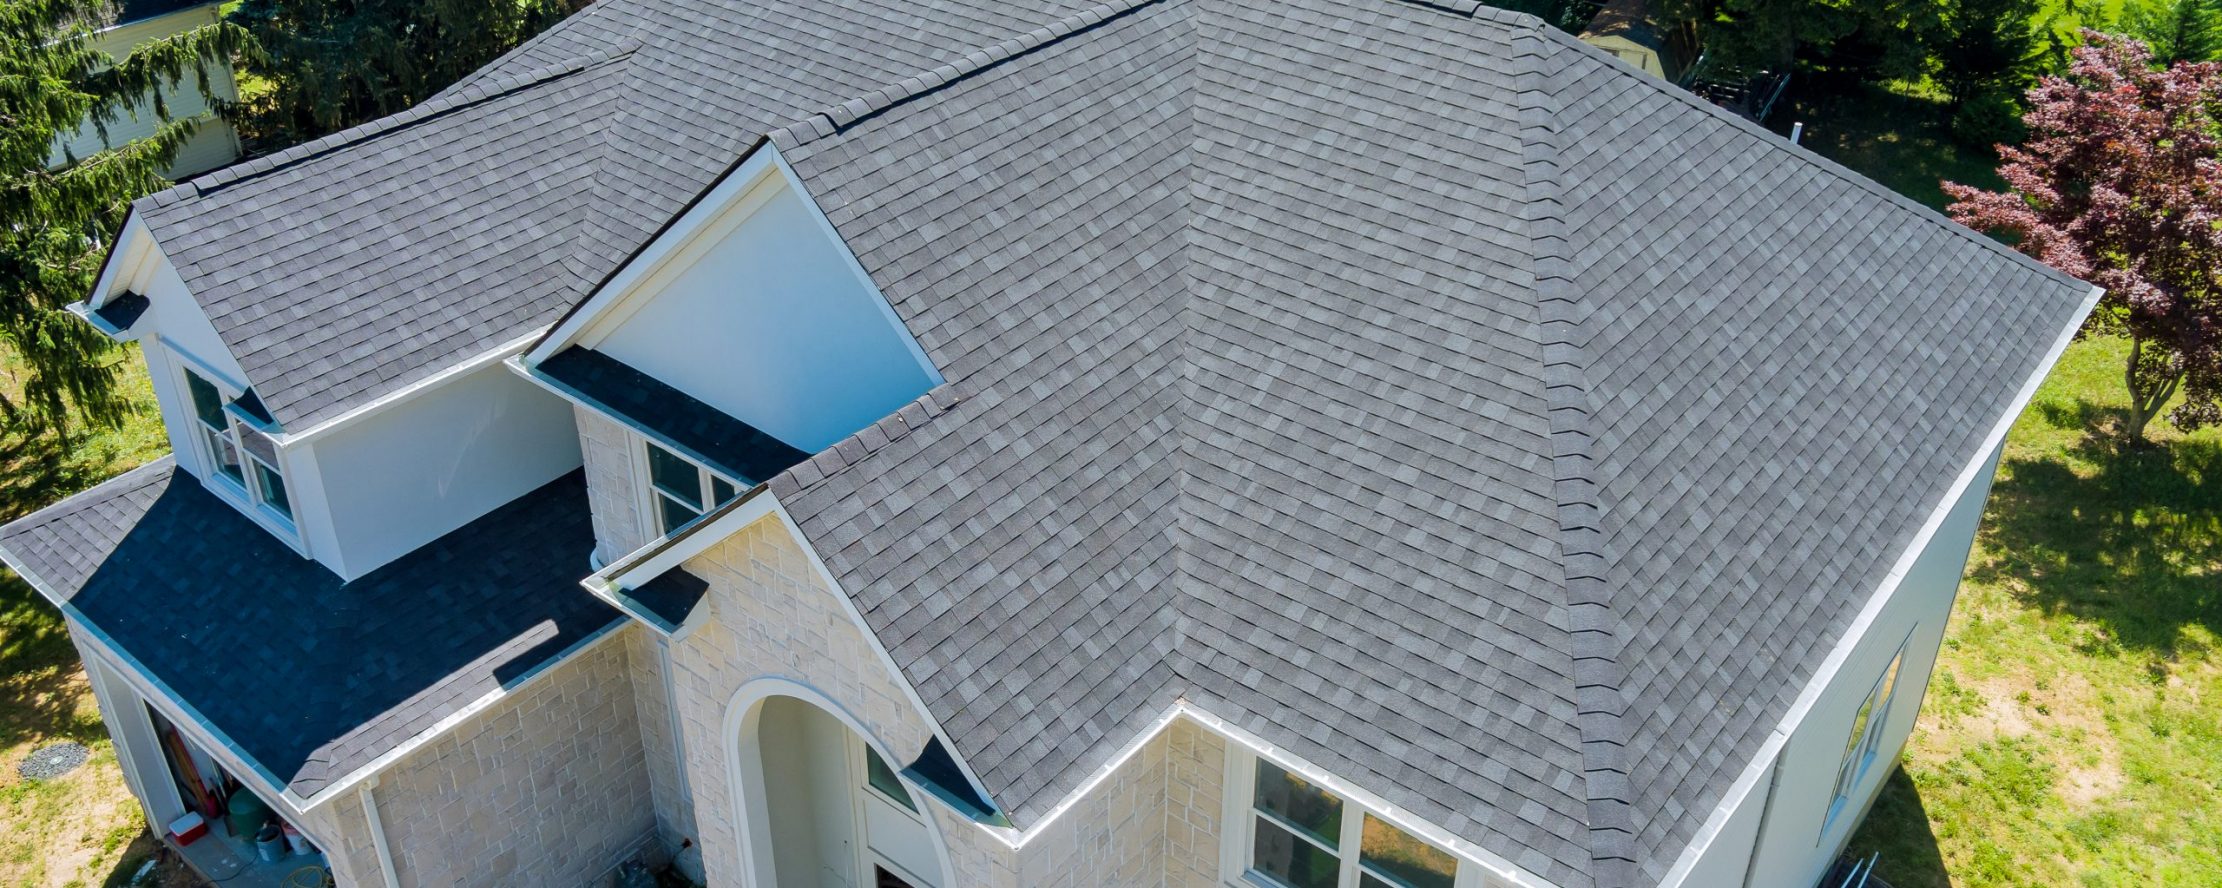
(296, 841)
(270, 843)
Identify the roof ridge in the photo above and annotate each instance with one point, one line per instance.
(827, 121)
(437, 106)
(1477, 9)
(1562, 328)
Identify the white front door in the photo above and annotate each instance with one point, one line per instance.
(898, 851)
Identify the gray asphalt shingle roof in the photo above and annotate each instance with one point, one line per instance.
(1416, 387)
(1409, 384)
(309, 677)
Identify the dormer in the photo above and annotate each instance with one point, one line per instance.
(352, 492)
(739, 342)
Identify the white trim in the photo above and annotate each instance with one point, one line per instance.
(657, 254)
(378, 834)
(744, 703)
(1757, 769)
(383, 402)
(1484, 863)
(130, 250)
(721, 209)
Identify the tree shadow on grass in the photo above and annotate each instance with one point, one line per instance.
(41, 680)
(1897, 828)
(2134, 546)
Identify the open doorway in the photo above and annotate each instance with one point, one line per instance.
(230, 833)
(823, 808)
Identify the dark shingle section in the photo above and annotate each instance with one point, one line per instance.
(386, 253)
(310, 677)
(667, 600)
(124, 310)
(697, 430)
(1418, 366)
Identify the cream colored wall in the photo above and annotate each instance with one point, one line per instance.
(549, 787)
(771, 615)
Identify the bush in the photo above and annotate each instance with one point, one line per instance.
(1991, 117)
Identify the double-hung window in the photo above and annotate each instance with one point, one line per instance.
(240, 455)
(1299, 835)
(1865, 742)
(680, 489)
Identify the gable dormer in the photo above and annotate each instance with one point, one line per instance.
(741, 340)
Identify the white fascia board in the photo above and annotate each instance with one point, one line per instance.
(657, 255)
(129, 250)
(453, 372)
(1755, 772)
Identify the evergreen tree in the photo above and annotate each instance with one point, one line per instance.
(2177, 30)
(56, 224)
(1864, 39)
(332, 64)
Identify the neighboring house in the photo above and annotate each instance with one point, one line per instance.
(215, 143)
(1176, 442)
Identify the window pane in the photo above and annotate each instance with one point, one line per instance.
(721, 492)
(673, 514)
(1292, 861)
(225, 453)
(673, 474)
(1299, 803)
(272, 487)
(882, 778)
(208, 404)
(1403, 858)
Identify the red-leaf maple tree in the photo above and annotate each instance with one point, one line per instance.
(2120, 184)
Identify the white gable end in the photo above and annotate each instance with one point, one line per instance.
(761, 312)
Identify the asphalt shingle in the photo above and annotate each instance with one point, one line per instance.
(309, 677)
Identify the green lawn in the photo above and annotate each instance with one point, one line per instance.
(82, 829)
(2071, 734)
(1895, 134)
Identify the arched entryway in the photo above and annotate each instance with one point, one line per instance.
(820, 805)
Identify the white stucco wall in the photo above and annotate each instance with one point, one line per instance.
(768, 320)
(1776, 836)
(399, 478)
(213, 145)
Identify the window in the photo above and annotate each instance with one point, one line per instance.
(682, 490)
(882, 779)
(1865, 742)
(242, 455)
(1303, 836)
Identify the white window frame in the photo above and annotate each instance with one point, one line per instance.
(1863, 740)
(244, 491)
(650, 500)
(1239, 829)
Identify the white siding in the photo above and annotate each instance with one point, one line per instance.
(1789, 827)
(398, 479)
(772, 324)
(213, 146)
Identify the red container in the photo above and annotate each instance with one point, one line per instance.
(185, 830)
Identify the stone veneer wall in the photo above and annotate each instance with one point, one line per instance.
(611, 495)
(674, 809)
(1195, 780)
(548, 787)
(771, 615)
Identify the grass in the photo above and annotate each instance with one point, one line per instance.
(2070, 734)
(84, 828)
(1894, 133)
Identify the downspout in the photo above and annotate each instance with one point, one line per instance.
(378, 833)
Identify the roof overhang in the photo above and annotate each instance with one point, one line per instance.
(1755, 772)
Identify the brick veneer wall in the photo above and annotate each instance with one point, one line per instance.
(549, 787)
(607, 449)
